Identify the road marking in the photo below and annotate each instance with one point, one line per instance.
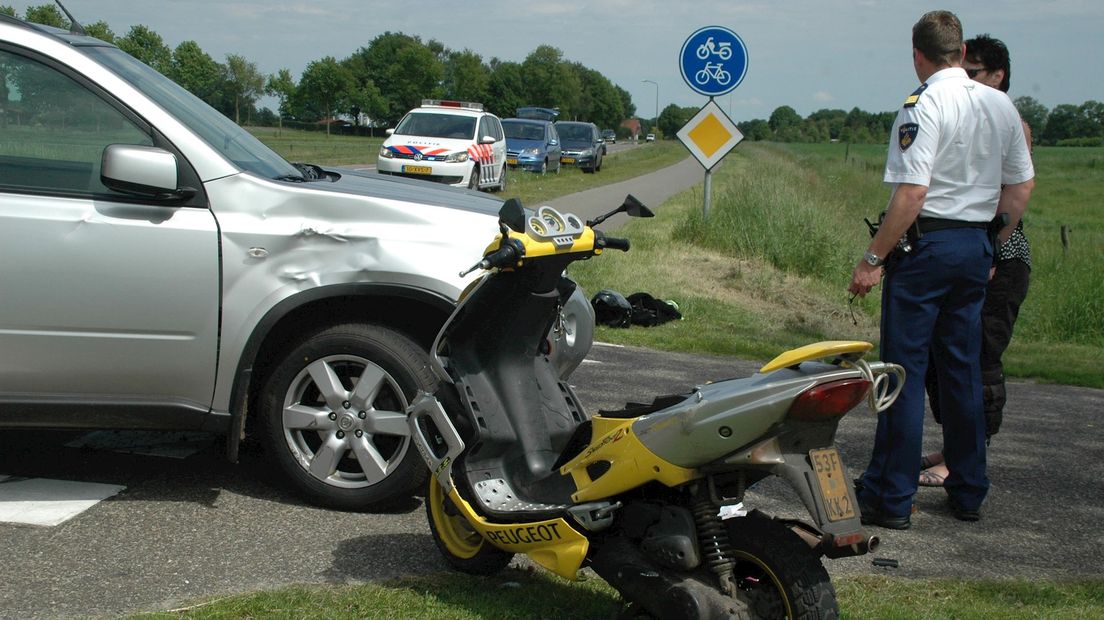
(45, 502)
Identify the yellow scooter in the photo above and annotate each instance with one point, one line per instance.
(649, 497)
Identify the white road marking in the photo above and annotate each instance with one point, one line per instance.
(45, 502)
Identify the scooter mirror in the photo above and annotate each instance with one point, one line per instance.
(631, 206)
(512, 214)
(635, 208)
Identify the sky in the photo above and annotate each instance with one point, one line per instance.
(807, 54)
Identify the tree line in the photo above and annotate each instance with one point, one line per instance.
(376, 84)
(1065, 125)
(381, 81)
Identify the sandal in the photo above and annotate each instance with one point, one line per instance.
(931, 460)
(929, 478)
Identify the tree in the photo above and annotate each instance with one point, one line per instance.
(401, 67)
(466, 78)
(628, 108)
(147, 46)
(101, 31)
(47, 15)
(673, 117)
(506, 90)
(325, 88)
(755, 129)
(282, 86)
(7, 10)
(242, 83)
(1034, 114)
(833, 121)
(1092, 115)
(550, 82)
(196, 71)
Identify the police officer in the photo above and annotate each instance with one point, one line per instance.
(953, 144)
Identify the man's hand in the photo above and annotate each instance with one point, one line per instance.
(864, 278)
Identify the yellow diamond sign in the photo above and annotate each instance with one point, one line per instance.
(710, 135)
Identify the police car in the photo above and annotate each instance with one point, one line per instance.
(451, 142)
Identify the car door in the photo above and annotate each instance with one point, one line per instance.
(554, 148)
(109, 304)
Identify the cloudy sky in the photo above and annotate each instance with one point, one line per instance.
(808, 54)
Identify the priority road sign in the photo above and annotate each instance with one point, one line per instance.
(713, 61)
(710, 135)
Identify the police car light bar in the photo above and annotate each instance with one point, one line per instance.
(445, 103)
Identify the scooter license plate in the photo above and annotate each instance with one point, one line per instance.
(833, 485)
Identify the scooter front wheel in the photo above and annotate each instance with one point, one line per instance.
(463, 547)
(777, 575)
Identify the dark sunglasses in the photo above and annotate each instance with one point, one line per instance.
(972, 73)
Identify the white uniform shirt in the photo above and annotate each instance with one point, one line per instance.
(962, 140)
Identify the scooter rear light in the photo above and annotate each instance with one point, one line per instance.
(828, 400)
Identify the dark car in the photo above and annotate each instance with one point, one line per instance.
(532, 145)
(582, 145)
(609, 136)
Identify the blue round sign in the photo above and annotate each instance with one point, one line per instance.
(714, 60)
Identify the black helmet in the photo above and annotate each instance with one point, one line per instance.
(611, 308)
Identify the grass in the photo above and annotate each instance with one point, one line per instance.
(319, 148)
(523, 594)
(769, 269)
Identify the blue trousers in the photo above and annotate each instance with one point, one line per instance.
(931, 302)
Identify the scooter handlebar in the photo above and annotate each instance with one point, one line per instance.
(613, 243)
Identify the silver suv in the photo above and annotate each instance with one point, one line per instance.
(160, 268)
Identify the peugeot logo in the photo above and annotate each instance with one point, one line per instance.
(417, 157)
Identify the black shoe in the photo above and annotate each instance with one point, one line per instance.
(872, 516)
(963, 514)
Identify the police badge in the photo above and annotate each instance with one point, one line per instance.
(906, 135)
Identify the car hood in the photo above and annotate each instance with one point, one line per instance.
(576, 144)
(427, 147)
(408, 190)
(517, 144)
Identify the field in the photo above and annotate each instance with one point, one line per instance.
(770, 268)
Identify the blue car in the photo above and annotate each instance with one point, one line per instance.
(532, 144)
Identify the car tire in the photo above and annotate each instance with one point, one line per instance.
(502, 180)
(344, 443)
(473, 181)
(544, 168)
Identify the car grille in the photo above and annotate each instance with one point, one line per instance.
(436, 178)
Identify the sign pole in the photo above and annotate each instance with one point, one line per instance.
(708, 189)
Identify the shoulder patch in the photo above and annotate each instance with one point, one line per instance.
(911, 100)
(906, 135)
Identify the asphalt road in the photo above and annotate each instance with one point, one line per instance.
(186, 530)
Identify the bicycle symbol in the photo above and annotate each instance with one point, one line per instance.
(715, 71)
(722, 49)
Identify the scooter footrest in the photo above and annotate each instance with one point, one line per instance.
(496, 495)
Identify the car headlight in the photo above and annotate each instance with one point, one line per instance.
(587, 153)
(462, 156)
(386, 153)
(532, 152)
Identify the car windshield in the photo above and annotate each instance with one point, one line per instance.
(577, 133)
(523, 131)
(430, 125)
(221, 133)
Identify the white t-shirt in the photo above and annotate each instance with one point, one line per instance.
(962, 140)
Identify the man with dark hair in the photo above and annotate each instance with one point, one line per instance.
(955, 144)
(987, 61)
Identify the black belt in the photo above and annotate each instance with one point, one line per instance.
(929, 224)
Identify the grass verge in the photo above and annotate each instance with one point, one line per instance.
(523, 594)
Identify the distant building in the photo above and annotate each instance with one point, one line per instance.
(633, 125)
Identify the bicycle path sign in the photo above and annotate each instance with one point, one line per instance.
(714, 61)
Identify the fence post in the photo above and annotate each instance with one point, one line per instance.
(1065, 238)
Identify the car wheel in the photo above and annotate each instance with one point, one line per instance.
(473, 182)
(502, 180)
(334, 412)
(598, 166)
(544, 168)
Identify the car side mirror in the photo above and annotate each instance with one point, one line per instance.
(553, 142)
(390, 131)
(487, 140)
(142, 171)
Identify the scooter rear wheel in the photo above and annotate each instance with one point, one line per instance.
(776, 572)
(463, 547)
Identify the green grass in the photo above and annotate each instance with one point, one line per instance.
(769, 269)
(318, 148)
(518, 594)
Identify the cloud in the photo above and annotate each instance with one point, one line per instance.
(822, 95)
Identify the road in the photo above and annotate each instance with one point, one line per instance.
(184, 530)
